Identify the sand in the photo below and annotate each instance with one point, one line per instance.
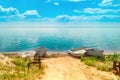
(65, 67)
(69, 68)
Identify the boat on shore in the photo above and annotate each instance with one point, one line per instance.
(77, 52)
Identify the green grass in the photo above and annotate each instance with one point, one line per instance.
(112, 57)
(90, 61)
(20, 71)
(104, 64)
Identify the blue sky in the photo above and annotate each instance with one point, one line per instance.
(60, 11)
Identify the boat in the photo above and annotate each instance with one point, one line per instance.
(96, 53)
(77, 52)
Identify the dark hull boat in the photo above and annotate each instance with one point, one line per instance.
(96, 53)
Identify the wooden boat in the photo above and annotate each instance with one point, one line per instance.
(76, 53)
(97, 53)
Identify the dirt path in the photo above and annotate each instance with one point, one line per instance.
(68, 68)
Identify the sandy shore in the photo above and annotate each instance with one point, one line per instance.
(68, 68)
(65, 67)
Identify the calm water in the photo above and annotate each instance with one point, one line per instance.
(59, 39)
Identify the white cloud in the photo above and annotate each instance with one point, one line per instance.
(56, 3)
(63, 18)
(77, 11)
(12, 14)
(31, 15)
(99, 11)
(31, 12)
(83, 18)
(8, 11)
(106, 3)
(110, 3)
(8, 14)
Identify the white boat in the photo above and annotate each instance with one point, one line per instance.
(76, 53)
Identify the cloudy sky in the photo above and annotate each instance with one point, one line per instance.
(60, 11)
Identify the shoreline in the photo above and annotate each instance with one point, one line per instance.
(53, 52)
(65, 67)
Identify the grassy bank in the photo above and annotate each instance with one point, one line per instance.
(19, 71)
(104, 64)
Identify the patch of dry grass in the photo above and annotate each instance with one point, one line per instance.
(20, 71)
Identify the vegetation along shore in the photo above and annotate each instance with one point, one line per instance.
(57, 66)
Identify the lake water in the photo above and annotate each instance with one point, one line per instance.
(59, 39)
